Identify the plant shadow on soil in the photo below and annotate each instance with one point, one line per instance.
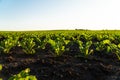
(66, 67)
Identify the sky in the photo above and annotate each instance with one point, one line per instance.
(59, 14)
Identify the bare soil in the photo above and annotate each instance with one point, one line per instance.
(66, 67)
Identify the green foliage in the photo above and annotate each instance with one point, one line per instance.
(85, 48)
(0, 67)
(115, 48)
(40, 42)
(104, 41)
(58, 46)
(104, 46)
(0, 70)
(7, 44)
(23, 75)
(28, 45)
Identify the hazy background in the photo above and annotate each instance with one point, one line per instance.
(59, 14)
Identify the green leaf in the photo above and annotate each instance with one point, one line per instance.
(0, 66)
(52, 42)
(23, 75)
(106, 41)
(118, 45)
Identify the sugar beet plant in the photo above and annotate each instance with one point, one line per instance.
(40, 42)
(57, 45)
(7, 44)
(85, 48)
(116, 49)
(106, 46)
(28, 45)
(23, 75)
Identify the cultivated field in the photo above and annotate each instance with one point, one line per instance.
(60, 55)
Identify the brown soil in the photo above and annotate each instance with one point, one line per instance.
(66, 67)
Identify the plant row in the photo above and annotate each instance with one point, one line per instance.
(83, 44)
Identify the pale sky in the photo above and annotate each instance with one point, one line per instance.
(59, 14)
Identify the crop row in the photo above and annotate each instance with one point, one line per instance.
(84, 43)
